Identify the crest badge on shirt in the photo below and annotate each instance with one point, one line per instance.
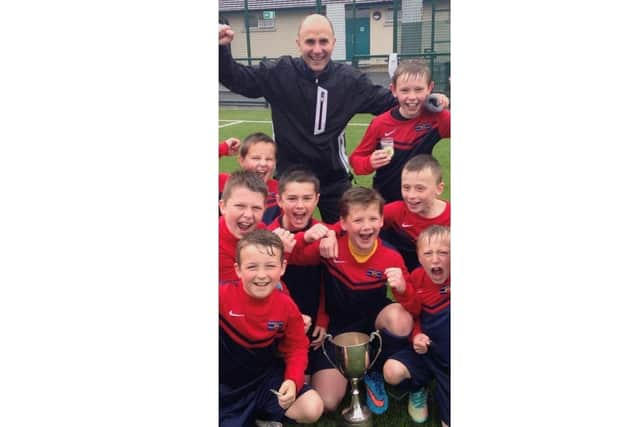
(423, 126)
(275, 325)
(374, 273)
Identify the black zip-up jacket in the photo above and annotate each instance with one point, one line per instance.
(309, 112)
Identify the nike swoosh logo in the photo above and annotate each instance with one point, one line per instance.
(338, 261)
(377, 402)
(389, 133)
(231, 313)
(406, 225)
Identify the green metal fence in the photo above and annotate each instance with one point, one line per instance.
(372, 30)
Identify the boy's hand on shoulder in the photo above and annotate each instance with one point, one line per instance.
(234, 145)
(329, 245)
(315, 232)
(443, 100)
(225, 34)
(287, 394)
(421, 343)
(379, 158)
(395, 279)
(318, 336)
(288, 239)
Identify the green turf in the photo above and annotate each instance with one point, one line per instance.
(397, 415)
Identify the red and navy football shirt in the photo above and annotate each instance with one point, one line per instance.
(257, 333)
(402, 227)
(354, 290)
(410, 138)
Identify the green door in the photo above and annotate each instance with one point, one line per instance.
(357, 36)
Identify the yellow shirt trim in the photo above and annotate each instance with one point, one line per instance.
(362, 258)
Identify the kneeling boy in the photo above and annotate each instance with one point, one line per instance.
(428, 301)
(263, 346)
(356, 293)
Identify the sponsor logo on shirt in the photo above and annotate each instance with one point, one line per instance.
(423, 126)
(231, 313)
(406, 225)
(389, 133)
(275, 325)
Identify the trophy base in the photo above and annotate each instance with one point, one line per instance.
(357, 417)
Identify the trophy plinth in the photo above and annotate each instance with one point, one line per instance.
(352, 360)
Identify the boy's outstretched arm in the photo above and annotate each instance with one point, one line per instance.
(294, 348)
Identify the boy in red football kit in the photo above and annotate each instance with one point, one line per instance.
(242, 206)
(419, 208)
(263, 347)
(427, 298)
(411, 128)
(257, 153)
(298, 195)
(356, 293)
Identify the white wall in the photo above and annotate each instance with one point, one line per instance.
(335, 13)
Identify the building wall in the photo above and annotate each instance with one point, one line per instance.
(269, 43)
(281, 41)
(381, 32)
(335, 13)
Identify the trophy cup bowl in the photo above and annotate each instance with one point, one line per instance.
(352, 360)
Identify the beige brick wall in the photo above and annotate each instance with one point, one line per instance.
(269, 43)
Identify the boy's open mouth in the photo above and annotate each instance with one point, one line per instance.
(298, 217)
(244, 225)
(366, 236)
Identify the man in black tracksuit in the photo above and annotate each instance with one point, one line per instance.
(312, 99)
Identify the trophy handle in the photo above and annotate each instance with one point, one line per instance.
(376, 334)
(328, 337)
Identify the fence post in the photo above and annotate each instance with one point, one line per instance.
(395, 25)
(353, 30)
(433, 34)
(246, 28)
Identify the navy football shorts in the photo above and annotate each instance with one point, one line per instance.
(241, 406)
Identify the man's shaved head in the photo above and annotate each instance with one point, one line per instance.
(314, 19)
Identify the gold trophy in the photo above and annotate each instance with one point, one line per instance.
(352, 360)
